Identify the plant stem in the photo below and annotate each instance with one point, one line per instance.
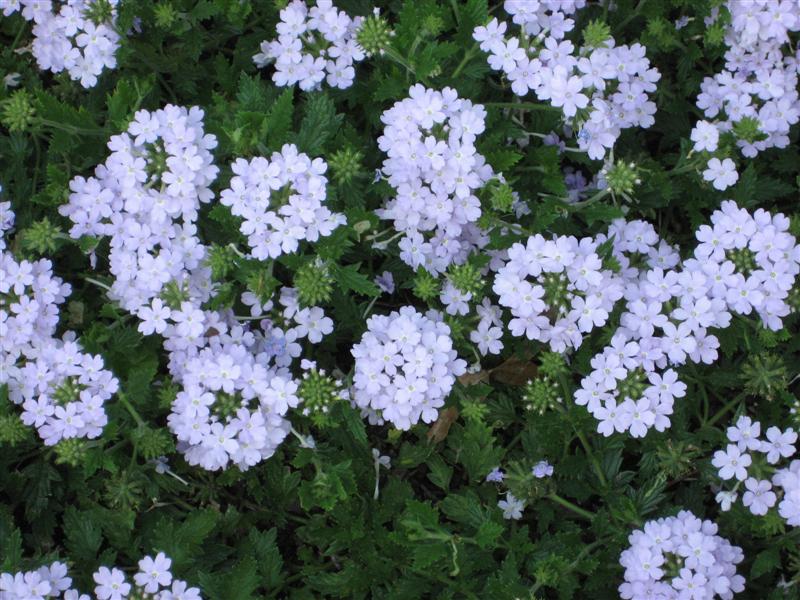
(467, 56)
(99, 284)
(582, 437)
(134, 413)
(633, 15)
(726, 408)
(582, 512)
(522, 106)
(72, 129)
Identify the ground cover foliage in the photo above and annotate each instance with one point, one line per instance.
(409, 304)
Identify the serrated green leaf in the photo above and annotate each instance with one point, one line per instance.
(440, 473)
(349, 278)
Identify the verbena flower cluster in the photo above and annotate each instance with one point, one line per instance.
(680, 557)
(76, 36)
(236, 386)
(146, 197)
(756, 96)
(314, 45)
(61, 389)
(557, 290)
(738, 463)
(435, 170)
(281, 201)
(744, 263)
(405, 367)
(153, 580)
(601, 90)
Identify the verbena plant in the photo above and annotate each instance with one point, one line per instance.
(416, 299)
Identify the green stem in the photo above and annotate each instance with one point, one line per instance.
(598, 196)
(726, 408)
(134, 413)
(18, 36)
(467, 56)
(99, 284)
(391, 53)
(565, 388)
(522, 106)
(633, 15)
(369, 307)
(582, 512)
(72, 129)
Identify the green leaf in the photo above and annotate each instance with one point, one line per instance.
(474, 445)
(238, 584)
(182, 543)
(488, 533)
(319, 124)
(349, 278)
(425, 555)
(270, 561)
(746, 191)
(766, 561)
(84, 536)
(502, 160)
(279, 120)
(441, 473)
(140, 378)
(10, 543)
(464, 508)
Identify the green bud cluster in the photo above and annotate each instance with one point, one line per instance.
(622, 177)
(375, 35)
(466, 278)
(156, 161)
(748, 129)
(457, 327)
(634, 385)
(41, 237)
(12, 430)
(474, 410)
(17, 111)
(542, 394)
(502, 198)
(596, 34)
(764, 375)
(174, 294)
(167, 394)
(432, 25)
(550, 569)
(225, 406)
(743, 259)
(222, 260)
(672, 566)
(68, 391)
(714, 35)
(318, 393)
(553, 365)
(345, 164)
(165, 15)
(556, 294)
(314, 283)
(426, 286)
(125, 490)
(99, 12)
(71, 452)
(153, 443)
